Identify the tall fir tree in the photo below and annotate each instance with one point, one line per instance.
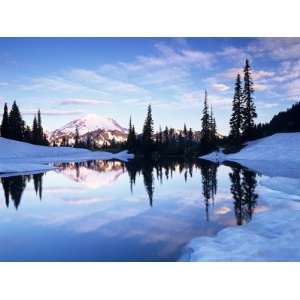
(213, 129)
(76, 139)
(147, 136)
(131, 138)
(237, 111)
(16, 123)
(40, 131)
(249, 110)
(35, 133)
(205, 131)
(5, 123)
(205, 118)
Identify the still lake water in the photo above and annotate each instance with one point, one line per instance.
(115, 211)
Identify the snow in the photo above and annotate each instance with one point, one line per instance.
(18, 156)
(90, 123)
(282, 147)
(274, 234)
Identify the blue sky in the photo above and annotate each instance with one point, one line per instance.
(117, 77)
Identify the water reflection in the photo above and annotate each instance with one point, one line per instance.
(100, 173)
(14, 187)
(243, 185)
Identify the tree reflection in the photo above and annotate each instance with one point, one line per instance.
(163, 169)
(243, 185)
(209, 184)
(14, 187)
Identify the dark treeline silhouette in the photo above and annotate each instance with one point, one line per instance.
(243, 185)
(14, 187)
(14, 127)
(171, 142)
(285, 121)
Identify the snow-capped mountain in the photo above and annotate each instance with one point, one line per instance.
(101, 129)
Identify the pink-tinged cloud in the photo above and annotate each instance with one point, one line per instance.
(76, 101)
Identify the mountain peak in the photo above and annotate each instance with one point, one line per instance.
(90, 123)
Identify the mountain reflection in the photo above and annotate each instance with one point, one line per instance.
(96, 174)
(93, 174)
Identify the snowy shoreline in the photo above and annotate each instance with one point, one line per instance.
(273, 235)
(16, 157)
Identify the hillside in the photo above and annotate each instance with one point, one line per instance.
(277, 147)
(285, 121)
(18, 156)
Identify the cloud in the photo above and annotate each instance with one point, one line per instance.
(260, 74)
(83, 101)
(276, 48)
(220, 87)
(54, 112)
(105, 83)
(256, 74)
(260, 87)
(262, 104)
(53, 83)
(171, 56)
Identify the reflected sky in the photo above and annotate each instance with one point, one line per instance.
(115, 211)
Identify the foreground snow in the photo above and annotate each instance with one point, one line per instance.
(278, 147)
(23, 157)
(273, 235)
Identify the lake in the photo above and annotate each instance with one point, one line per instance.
(117, 211)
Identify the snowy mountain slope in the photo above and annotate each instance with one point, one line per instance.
(18, 156)
(277, 147)
(102, 129)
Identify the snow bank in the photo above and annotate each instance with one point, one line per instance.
(273, 235)
(18, 156)
(278, 147)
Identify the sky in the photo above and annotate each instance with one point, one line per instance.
(67, 78)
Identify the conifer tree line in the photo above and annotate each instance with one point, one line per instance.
(169, 141)
(14, 127)
(242, 126)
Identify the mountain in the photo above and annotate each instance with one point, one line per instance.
(101, 129)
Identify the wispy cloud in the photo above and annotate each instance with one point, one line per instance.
(83, 101)
(53, 112)
(220, 87)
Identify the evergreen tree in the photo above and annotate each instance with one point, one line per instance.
(5, 123)
(237, 112)
(40, 131)
(27, 134)
(213, 129)
(205, 118)
(88, 141)
(160, 136)
(249, 110)
(147, 136)
(131, 138)
(16, 123)
(76, 142)
(35, 131)
(184, 131)
(205, 132)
